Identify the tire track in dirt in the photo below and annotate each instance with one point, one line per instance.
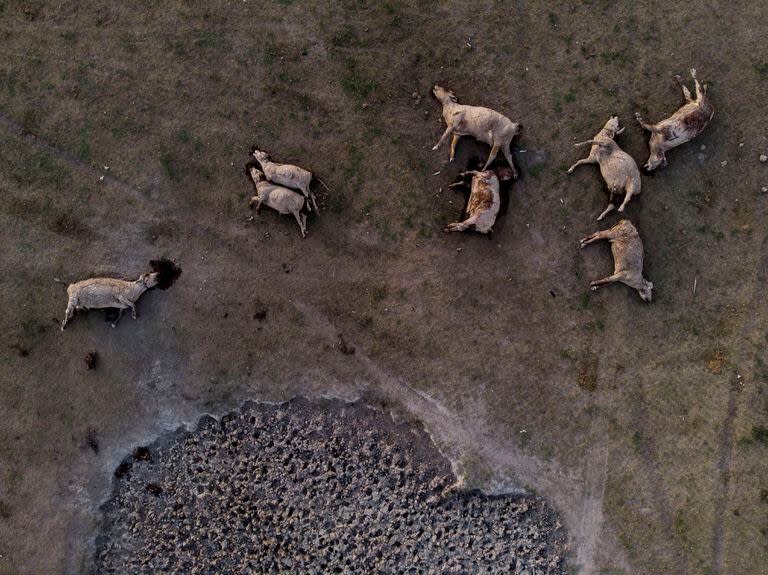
(13, 127)
(724, 479)
(660, 499)
(753, 326)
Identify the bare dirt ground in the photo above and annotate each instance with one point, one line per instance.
(643, 425)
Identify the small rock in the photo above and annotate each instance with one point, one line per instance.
(142, 454)
(724, 163)
(91, 359)
(763, 158)
(287, 268)
(123, 469)
(154, 489)
(764, 189)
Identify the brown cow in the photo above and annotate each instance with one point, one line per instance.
(681, 127)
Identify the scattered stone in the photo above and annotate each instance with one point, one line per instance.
(154, 489)
(287, 268)
(91, 359)
(142, 454)
(764, 189)
(763, 158)
(123, 469)
(724, 163)
(308, 487)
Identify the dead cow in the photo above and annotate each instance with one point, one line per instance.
(627, 249)
(618, 168)
(287, 175)
(681, 127)
(278, 198)
(100, 293)
(483, 124)
(484, 200)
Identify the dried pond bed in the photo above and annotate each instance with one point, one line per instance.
(311, 487)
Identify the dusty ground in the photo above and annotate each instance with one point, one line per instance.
(643, 425)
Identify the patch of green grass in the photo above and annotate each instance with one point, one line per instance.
(123, 126)
(9, 81)
(211, 40)
(353, 170)
(128, 43)
(425, 231)
(183, 136)
(615, 57)
(38, 166)
(344, 38)
(176, 47)
(270, 53)
(83, 147)
(762, 70)
(760, 434)
(379, 293)
(355, 83)
(70, 36)
(536, 170)
(570, 96)
(170, 166)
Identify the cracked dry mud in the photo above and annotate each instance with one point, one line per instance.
(307, 487)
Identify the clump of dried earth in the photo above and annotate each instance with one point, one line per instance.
(314, 488)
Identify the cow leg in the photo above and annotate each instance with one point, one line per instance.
(257, 201)
(448, 132)
(587, 160)
(302, 227)
(508, 155)
(686, 92)
(492, 155)
(597, 236)
(314, 201)
(606, 211)
(119, 315)
(68, 313)
(699, 90)
(644, 125)
(630, 189)
(460, 226)
(126, 303)
(597, 284)
(454, 141)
